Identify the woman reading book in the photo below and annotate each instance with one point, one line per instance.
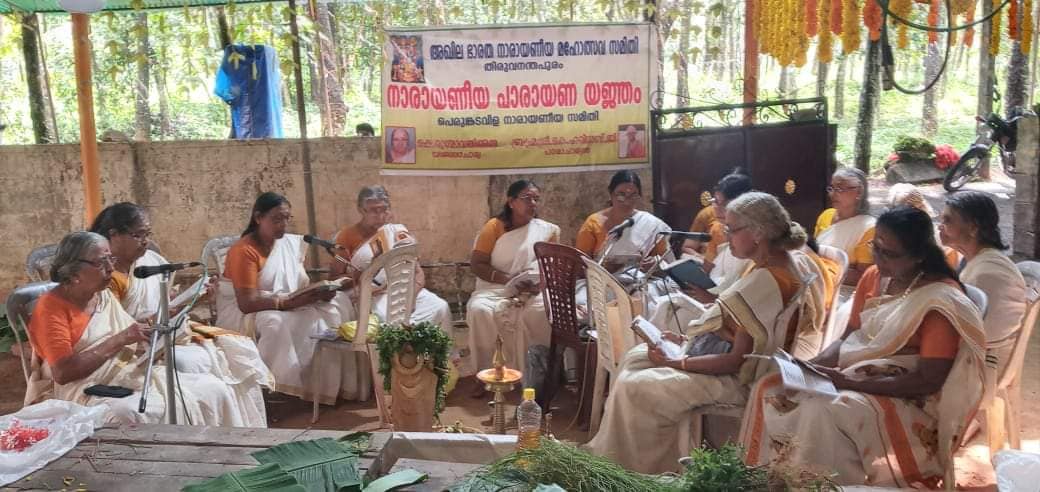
(265, 292)
(655, 394)
(227, 356)
(910, 370)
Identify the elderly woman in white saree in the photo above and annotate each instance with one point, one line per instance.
(83, 337)
(372, 236)
(909, 370)
(971, 225)
(504, 249)
(262, 272)
(230, 357)
(848, 226)
(655, 395)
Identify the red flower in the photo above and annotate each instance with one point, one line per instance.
(945, 156)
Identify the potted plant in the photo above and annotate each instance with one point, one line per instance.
(413, 360)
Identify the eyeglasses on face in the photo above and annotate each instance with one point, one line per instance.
(880, 252)
(841, 189)
(101, 263)
(620, 195)
(733, 230)
(529, 198)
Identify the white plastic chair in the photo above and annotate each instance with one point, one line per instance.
(978, 297)
(832, 330)
(1002, 416)
(20, 304)
(214, 253)
(38, 263)
(614, 336)
(777, 336)
(400, 265)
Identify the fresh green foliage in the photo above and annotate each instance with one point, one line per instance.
(916, 147)
(396, 480)
(427, 340)
(7, 334)
(710, 470)
(269, 477)
(318, 465)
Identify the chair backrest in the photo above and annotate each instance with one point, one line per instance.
(20, 304)
(560, 267)
(832, 331)
(978, 297)
(604, 288)
(1031, 272)
(838, 256)
(215, 252)
(38, 263)
(400, 264)
(783, 320)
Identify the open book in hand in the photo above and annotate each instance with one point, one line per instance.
(688, 271)
(653, 337)
(200, 286)
(800, 375)
(529, 277)
(319, 286)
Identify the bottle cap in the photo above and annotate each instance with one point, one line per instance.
(528, 393)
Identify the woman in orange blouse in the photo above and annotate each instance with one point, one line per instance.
(909, 370)
(638, 239)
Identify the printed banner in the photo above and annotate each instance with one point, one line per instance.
(532, 98)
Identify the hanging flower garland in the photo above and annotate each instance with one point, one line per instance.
(812, 22)
(849, 27)
(902, 9)
(994, 37)
(933, 20)
(836, 20)
(1027, 26)
(969, 33)
(825, 49)
(1013, 31)
(872, 18)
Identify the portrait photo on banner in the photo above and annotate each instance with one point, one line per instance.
(631, 141)
(400, 145)
(407, 65)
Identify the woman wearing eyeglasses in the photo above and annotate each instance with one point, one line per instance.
(910, 371)
(262, 272)
(640, 239)
(127, 228)
(656, 394)
(504, 249)
(374, 235)
(848, 226)
(82, 337)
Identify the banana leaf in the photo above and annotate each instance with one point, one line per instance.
(396, 480)
(259, 479)
(319, 465)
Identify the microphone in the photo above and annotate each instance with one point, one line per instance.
(148, 271)
(618, 229)
(317, 241)
(696, 236)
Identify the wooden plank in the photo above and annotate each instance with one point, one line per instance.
(107, 482)
(135, 469)
(227, 455)
(152, 434)
(441, 474)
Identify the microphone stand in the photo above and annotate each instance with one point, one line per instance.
(162, 326)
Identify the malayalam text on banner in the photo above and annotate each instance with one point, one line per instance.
(529, 98)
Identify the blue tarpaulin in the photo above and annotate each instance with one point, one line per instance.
(249, 81)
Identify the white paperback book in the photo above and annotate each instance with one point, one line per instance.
(647, 331)
(801, 376)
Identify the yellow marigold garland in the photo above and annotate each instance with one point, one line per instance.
(1027, 25)
(825, 48)
(850, 27)
(969, 33)
(903, 9)
(994, 38)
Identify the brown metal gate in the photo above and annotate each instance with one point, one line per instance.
(787, 154)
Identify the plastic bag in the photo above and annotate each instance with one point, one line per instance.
(68, 424)
(1016, 470)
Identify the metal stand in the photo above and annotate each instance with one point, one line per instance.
(164, 327)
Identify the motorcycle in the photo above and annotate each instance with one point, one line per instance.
(1000, 132)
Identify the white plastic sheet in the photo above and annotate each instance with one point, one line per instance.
(1017, 471)
(68, 424)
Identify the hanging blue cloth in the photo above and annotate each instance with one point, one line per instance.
(249, 81)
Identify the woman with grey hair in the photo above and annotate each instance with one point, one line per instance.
(370, 237)
(658, 389)
(848, 225)
(82, 337)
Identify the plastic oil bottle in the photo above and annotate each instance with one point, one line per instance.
(529, 422)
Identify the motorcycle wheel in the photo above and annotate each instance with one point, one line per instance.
(965, 169)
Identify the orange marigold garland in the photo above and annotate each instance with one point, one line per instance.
(902, 9)
(872, 18)
(836, 18)
(933, 20)
(812, 22)
(849, 27)
(994, 37)
(1027, 25)
(825, 49)
(969, 33)
(1013, 31)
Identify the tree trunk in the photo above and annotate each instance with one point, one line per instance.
(782, 87)
(987, 77)
(682, 89)
(1031, 89)
(43, 132)
(333, 108)
(142, 114)
(222, 27)
(929, 118)
(868, 96)
(1017, 75)
(165, 129)
(822, 71)
(839, 89)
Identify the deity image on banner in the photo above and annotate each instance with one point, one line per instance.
(407, 65)
(631, 141)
